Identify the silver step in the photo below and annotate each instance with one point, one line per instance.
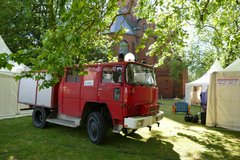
(65, 120)
(117, 128)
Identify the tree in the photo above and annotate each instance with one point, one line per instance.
(22, 23)
(69, 33)
(80, 34)
(216, 24)
(218, 33)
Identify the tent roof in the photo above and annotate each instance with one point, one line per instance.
(235, 66)
(16, 67)
(4, 73)
(3, 47)
(206, 77)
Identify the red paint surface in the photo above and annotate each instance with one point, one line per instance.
(134, 100)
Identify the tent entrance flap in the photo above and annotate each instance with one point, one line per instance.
(223, 100)
(202, 81)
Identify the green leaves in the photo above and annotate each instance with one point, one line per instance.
(76, 40)
(3, 60)
(51, 35)
(197, 31)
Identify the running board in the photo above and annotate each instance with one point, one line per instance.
(62, 122)
(65, 120)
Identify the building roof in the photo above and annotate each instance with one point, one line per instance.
(121, 22)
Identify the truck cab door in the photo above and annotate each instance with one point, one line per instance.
(110, 89)
(71, 94)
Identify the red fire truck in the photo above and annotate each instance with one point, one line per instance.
(120, 95)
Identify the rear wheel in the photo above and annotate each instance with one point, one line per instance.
(96, 127)
(39, 117)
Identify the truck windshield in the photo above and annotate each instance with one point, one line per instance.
(140, 75)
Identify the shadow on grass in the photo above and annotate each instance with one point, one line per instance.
(119, 146)
(138, 147)
(220, 146)
(21, 140)
(219, 143)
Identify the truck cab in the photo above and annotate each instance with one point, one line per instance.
(121, 95)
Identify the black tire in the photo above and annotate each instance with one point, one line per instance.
(96, 127)
(39, 117)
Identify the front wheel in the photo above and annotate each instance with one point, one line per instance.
(39, 117)
(96, 127)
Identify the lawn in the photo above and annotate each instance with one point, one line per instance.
(174, 139)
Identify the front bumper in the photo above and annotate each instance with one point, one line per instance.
(142, 121)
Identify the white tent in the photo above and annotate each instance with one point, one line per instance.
(223, 107)
(234, 66)
(8, 96)
(9, 87)
(16, 67)
(203, 82)
(3, 47)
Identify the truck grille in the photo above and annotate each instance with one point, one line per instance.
(149, 110)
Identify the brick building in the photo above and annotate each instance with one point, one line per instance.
(135, 30)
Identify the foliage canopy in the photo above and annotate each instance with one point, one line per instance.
(52, 34)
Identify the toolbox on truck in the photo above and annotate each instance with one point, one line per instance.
(29, 93)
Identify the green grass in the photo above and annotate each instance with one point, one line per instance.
(174, 139)
(166, 106)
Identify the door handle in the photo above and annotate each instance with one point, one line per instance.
(100, 89)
